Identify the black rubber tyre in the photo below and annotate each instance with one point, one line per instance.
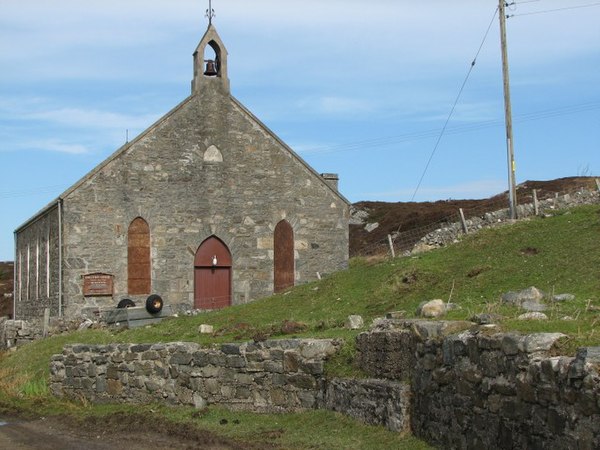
(126, 303)
(154, 304)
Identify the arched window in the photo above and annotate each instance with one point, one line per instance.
(138, 258)
(284, 256)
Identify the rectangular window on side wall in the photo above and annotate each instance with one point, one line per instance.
(27, 285)
(37, 268)
(48, 263)
(20, 276)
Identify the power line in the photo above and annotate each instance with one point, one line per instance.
(420, 135)
(523, 2)
(382, 141)
(454, 106)
(554, 10)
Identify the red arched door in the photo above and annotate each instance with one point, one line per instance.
(212, 275)
(284, 256)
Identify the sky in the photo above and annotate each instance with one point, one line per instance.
(362, 89)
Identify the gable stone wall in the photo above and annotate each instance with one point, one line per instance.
(187, 195)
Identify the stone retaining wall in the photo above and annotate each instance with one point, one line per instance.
(480, 389)
(454, 384)
(270, 376)
(14, 333)
(376, 402)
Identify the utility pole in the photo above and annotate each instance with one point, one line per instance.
(512, 187)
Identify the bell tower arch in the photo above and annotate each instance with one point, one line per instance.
(210, 63)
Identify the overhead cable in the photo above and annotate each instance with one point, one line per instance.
(454, 106)
(554, 10)
(425, 134)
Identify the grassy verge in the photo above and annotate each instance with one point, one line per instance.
(306, 430)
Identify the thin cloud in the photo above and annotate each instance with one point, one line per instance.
(50, 145)
(82, 118)
(337, 106)
(42, 111)
(474, 189)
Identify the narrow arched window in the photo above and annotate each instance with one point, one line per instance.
(138, 258)
(283, 256)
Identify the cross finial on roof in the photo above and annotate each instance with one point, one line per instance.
(210, 12)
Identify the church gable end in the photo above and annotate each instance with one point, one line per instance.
(207, 177)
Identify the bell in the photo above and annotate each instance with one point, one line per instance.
(211, 68)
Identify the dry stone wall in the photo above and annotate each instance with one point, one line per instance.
(454, 384)
(14, 333)
(372, 401)
(476, 389)
(451, 232)
(270, 376)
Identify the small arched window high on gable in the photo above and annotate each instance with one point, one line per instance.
(138, 258)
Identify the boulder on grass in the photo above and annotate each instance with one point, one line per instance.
(355, 322)
(533, 316)
(432, 309)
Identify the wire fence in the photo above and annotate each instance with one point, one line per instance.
(488, 212)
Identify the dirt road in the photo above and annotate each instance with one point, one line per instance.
(63, 433)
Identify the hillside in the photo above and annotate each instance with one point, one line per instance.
(473, 274)
(393, 217)
(558, 254)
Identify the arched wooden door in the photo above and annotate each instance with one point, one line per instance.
(284, 256)
(212, 275)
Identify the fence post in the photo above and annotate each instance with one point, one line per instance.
(463, 221)
(391, 246)
(46, 324)
(536, 205)
(598, 184)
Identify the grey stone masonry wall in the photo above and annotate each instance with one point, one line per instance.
(37, 267)
(170, 178)
(454, 384)
(375, 402)
(14, 333)
(270, 376)
(476, 389)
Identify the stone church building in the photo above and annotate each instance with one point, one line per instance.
(206, 208)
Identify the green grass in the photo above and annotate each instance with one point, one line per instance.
(558, 254)
(307, 430)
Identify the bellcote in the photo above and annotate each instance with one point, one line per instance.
(210, 63)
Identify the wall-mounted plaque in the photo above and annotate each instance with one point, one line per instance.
(97, 285)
